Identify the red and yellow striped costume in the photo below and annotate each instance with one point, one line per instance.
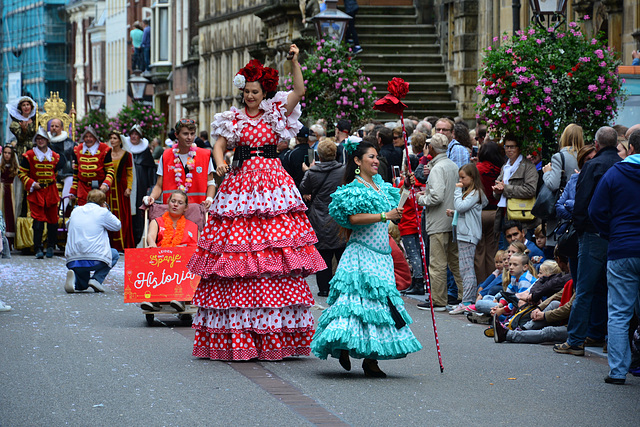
(88, 168)
(43, 203)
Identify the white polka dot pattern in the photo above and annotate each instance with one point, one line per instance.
(253, 255)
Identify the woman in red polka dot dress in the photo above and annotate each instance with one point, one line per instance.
(258, 245)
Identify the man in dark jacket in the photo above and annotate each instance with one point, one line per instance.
(318, 184)
(294, 160)
(589, 313)
(343, 130)
(392, 154)
(614, 212)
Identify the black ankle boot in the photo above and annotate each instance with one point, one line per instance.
(371, 369)
(416, 288)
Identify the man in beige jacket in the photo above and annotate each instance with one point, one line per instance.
(437, 198)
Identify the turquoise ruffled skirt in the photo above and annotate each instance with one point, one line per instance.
(359, 318)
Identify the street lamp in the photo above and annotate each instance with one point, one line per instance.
(138, 85)
(95, 99)
(331, 22)
(553, 10)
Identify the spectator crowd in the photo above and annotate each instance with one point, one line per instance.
(537, 252)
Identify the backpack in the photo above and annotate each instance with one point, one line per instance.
(520, 317)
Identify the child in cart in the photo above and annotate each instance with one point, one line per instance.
(170, 230)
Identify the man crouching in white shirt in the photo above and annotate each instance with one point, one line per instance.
(88, 249)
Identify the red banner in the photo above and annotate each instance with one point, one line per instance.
(159, 274)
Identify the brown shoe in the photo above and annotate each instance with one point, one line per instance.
(565, 348)
(590, 342)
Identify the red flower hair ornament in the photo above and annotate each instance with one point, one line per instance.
(254, 71)
(390, 103)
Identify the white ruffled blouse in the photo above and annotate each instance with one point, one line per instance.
(230, 124)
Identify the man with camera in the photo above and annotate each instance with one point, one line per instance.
(88, 249)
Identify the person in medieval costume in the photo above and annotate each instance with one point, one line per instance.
(38, 169)
(92, 166)
(23, 123)
(120, 196)
(145, 170)
(61, 143)
(23, 126)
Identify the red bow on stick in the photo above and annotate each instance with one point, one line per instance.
(390, 103)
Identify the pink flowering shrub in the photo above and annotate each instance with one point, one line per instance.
(539, 81)
(336, 87)
(151, 122)
(98, 120)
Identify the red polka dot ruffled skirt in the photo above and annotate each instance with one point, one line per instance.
(253, 255)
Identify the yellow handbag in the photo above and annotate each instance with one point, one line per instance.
(520, 209)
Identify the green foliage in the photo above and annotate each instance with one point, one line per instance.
(151, 122)
(336, 89)
(539, 81)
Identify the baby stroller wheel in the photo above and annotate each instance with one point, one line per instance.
(150, 319)
(185, 319)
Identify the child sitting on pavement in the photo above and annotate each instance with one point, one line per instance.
(492, 284)
(484, 305)
(548, 321)
(521, 280)
(551, 279)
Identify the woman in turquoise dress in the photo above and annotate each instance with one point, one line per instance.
(366, 318)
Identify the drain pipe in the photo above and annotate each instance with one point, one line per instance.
(515, 6)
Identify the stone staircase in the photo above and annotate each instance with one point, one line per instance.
(396, 46)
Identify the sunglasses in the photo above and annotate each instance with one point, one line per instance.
(184, 122)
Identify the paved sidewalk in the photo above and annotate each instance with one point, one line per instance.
(90, 359)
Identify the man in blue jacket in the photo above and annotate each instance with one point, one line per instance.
(615, 211)
(589, 311)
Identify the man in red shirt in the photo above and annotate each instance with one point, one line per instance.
(185, 167)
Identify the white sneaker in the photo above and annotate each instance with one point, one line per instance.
(70, 284)
(177, 305)
(4, 306)
(459, 309)
(150, 306)
(97, 287)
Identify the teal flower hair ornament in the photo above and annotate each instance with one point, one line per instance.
(351, 144)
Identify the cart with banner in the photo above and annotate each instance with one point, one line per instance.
(159, 275)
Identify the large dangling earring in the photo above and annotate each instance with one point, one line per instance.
(357, 170)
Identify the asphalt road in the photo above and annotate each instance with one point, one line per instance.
(90, 359)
